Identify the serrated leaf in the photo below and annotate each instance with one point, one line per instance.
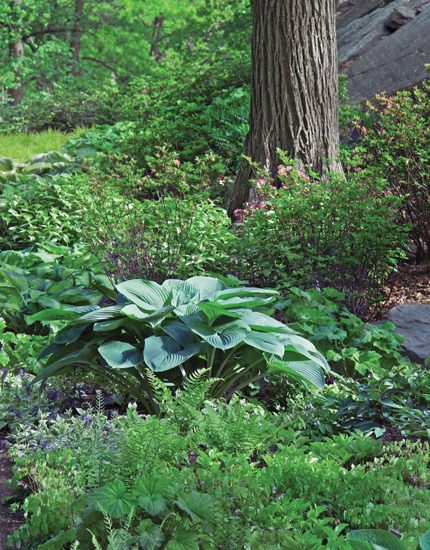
(162, 353)
(121, 355)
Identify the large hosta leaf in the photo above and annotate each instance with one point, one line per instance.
(377, 539)
(266, 342)
(300, 370)
(206, 286)
(113, 499)
(245, 291)
(425, 541)
(263, 323)
(121, 355)
(19, 282)
(147, 295)
(102, 314)
(182, 292)
(214, 310)
(152, 319)
(162, 353)
(245, 302)
(233, 333)
(180, 332)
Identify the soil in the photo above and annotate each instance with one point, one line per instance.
(9, 522)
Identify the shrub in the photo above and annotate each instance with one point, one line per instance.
(321, 232)
(395, 148)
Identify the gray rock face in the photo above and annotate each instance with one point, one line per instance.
(412, 320)
(386, 49)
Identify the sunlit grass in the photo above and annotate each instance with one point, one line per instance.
(23, 146)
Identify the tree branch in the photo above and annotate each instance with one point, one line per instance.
(104, 63)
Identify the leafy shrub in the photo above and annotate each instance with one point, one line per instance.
(320, 232)
(201, 319)
(395, 149)
(44, 163)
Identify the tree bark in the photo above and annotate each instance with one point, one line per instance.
(157, 38)
(16, 50)
(294, 89)
(75, 43)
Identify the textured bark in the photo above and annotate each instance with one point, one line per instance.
(157, 38)
(75, 44)
(294, 95)
(16, 50)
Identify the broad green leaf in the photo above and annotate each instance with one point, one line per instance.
(154, 505)
(121, 355)
(19, 282)
(147, 295)
(246, 302)
(263, 323)
(305, 370)
(206, 286)
(180, 332)
(151, 535)
(233, 334)
(113, 498)
(6, 164)
(102, 314)
(79, 357)
(245, 291)
(376, 537)
(69, 336)
(199, 506)
(182, 291)
(214, 310)
(53, 315)
(152, 319)
(48, 302)
(162, 353)
(183, 540)
(266, 342)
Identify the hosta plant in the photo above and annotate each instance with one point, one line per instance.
(177, 328)
(376, 539)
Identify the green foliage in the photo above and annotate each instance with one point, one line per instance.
(50, 163)
(35, 280)
(200, 319)
(298, 234)
(394, 149)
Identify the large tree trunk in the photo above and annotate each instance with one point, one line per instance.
(294, 95)
(16, 50)
(75, 44)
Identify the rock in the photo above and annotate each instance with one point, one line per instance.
(391, 62)
(400, 16)
(412, 320)
(351, 10)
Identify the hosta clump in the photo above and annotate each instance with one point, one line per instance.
(177, 328)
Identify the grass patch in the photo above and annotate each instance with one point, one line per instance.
(23, 146)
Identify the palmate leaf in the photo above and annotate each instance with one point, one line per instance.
(183, 540)
(199, 506)
(151, 535)
(265, 342)
(113, 499)
(154, 504)
(231, 335)
(162, 353)
(121, 355)
(147, 295)
(377, 539)
(308, 371)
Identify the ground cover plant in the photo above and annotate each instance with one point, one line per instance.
(171, 378)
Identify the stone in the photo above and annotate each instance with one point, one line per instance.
(351, 10)
(412, 320)
(400, 16)
(393, 62)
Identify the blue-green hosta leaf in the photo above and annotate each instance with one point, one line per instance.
(296, 346)
(183, 540)
(79, 357)
(147, 295)
(214, 310)
(69, 336)
(182, 291)
(206, 286)
(152, 319)
(180, 332)
(102, 314)
(106, 326)
(233, 334)
(425, 541)
(53, 315)
(266, 342)
(377, 538)
(162, 353)
(19, 282)
(150, 535)
(113, 499)
(187, 309)
(199, 506)
(262, 322)
(48, 302)
(154, 505)
(121, 355)
(304, 370)
(245, 291)
(245, 302)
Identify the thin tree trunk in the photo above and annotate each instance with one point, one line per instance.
(157, 38)
(75, 44)
(294, 95)
(16, 50)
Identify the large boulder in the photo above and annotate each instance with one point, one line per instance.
(384, 50)
(412, 320)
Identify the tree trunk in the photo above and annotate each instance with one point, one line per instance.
(16, 50)
(157, 38)
(294, 95)
(75, 44)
